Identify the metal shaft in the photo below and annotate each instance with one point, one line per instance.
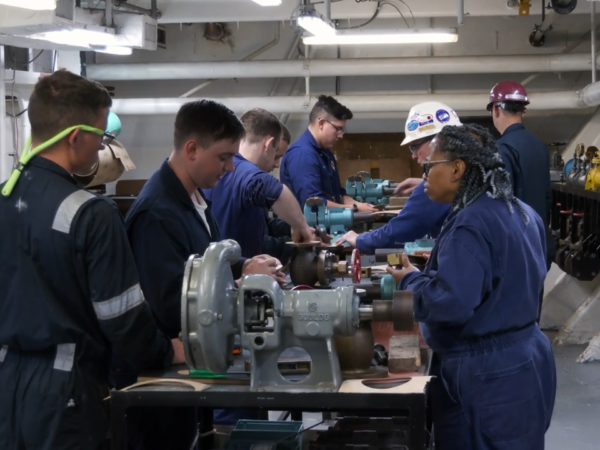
(361, 217)
(365, 312)
(388, 191)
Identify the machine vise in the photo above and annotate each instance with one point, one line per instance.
(375, 191)
(335, 220)
(269, 321)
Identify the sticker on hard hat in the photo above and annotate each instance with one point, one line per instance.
(515, 97)
(454, 113)
(425, 119)
(412, 125)
(442, 115)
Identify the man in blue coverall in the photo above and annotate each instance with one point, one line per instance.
(309, 167)
(171, 220)
(70, 292)
(278, 232)
(241, 196)
(525, 157)
(420, 215)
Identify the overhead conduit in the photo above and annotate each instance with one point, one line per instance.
(341, 67)
(587, 97)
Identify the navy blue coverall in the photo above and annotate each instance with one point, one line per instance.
(477, 303)
(238, 203)
(70, 292)
(420, 216)
(311, 171)
(527, 160)
(164, 229)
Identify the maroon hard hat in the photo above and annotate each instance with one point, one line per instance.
(508, 91)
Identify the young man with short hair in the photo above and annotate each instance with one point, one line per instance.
(70, 290)
(242, 195)
(309, 167)
(171, 220)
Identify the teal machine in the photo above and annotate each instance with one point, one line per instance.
(336, 221)
(363, 188)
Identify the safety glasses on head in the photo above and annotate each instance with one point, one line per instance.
(427, 164)
(29, 153)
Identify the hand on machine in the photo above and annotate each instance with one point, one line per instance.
(417, 256)
(264, 265)
(405, 188)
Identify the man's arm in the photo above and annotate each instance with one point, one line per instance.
(264, 190)
(418, 217)
(124, 316)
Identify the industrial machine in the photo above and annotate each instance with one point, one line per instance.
(335, 220)
(270, 320)
(375, 191)
(312, 264)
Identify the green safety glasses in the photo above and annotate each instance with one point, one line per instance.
(29, 153)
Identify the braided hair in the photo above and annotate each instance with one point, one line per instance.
(484, 168)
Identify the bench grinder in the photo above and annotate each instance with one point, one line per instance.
(270, 320)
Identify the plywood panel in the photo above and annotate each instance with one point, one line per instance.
(377, 153)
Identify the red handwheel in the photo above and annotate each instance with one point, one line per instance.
(355, 266)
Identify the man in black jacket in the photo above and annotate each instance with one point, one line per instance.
(171, 220)
(70, 289)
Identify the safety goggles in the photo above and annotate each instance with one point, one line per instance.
(29, 153)
(427, 164)
(414, 147)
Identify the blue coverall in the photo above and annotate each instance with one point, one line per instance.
(311, 171)
(527, 160)
(69, 295)
(164, 229)
(238, 203)
(420, 216)
(477, 302)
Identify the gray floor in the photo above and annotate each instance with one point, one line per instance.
(576, 419)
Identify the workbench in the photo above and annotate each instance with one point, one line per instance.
(380, 404)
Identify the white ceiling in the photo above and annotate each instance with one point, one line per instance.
(197, 11)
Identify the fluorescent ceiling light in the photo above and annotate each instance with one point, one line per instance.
(316, 25)
(268, 2)
(403, 36)
(114, 50)
(77, 37)
(36, 5)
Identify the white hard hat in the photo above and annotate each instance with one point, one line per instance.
(427, 119)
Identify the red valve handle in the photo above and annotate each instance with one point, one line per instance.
(355, 266)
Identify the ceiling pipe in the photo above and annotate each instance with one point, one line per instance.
(108, 13)
(538, 36)
(593, 31)
(461, 12)
(588, 97)
(343, 67)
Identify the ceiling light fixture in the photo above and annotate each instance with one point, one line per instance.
(268, 2)
(415, 36)
(113, 50)
(77, 36)
(316, 25)
(36, 5)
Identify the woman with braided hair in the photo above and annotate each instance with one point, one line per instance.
(477, 302)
